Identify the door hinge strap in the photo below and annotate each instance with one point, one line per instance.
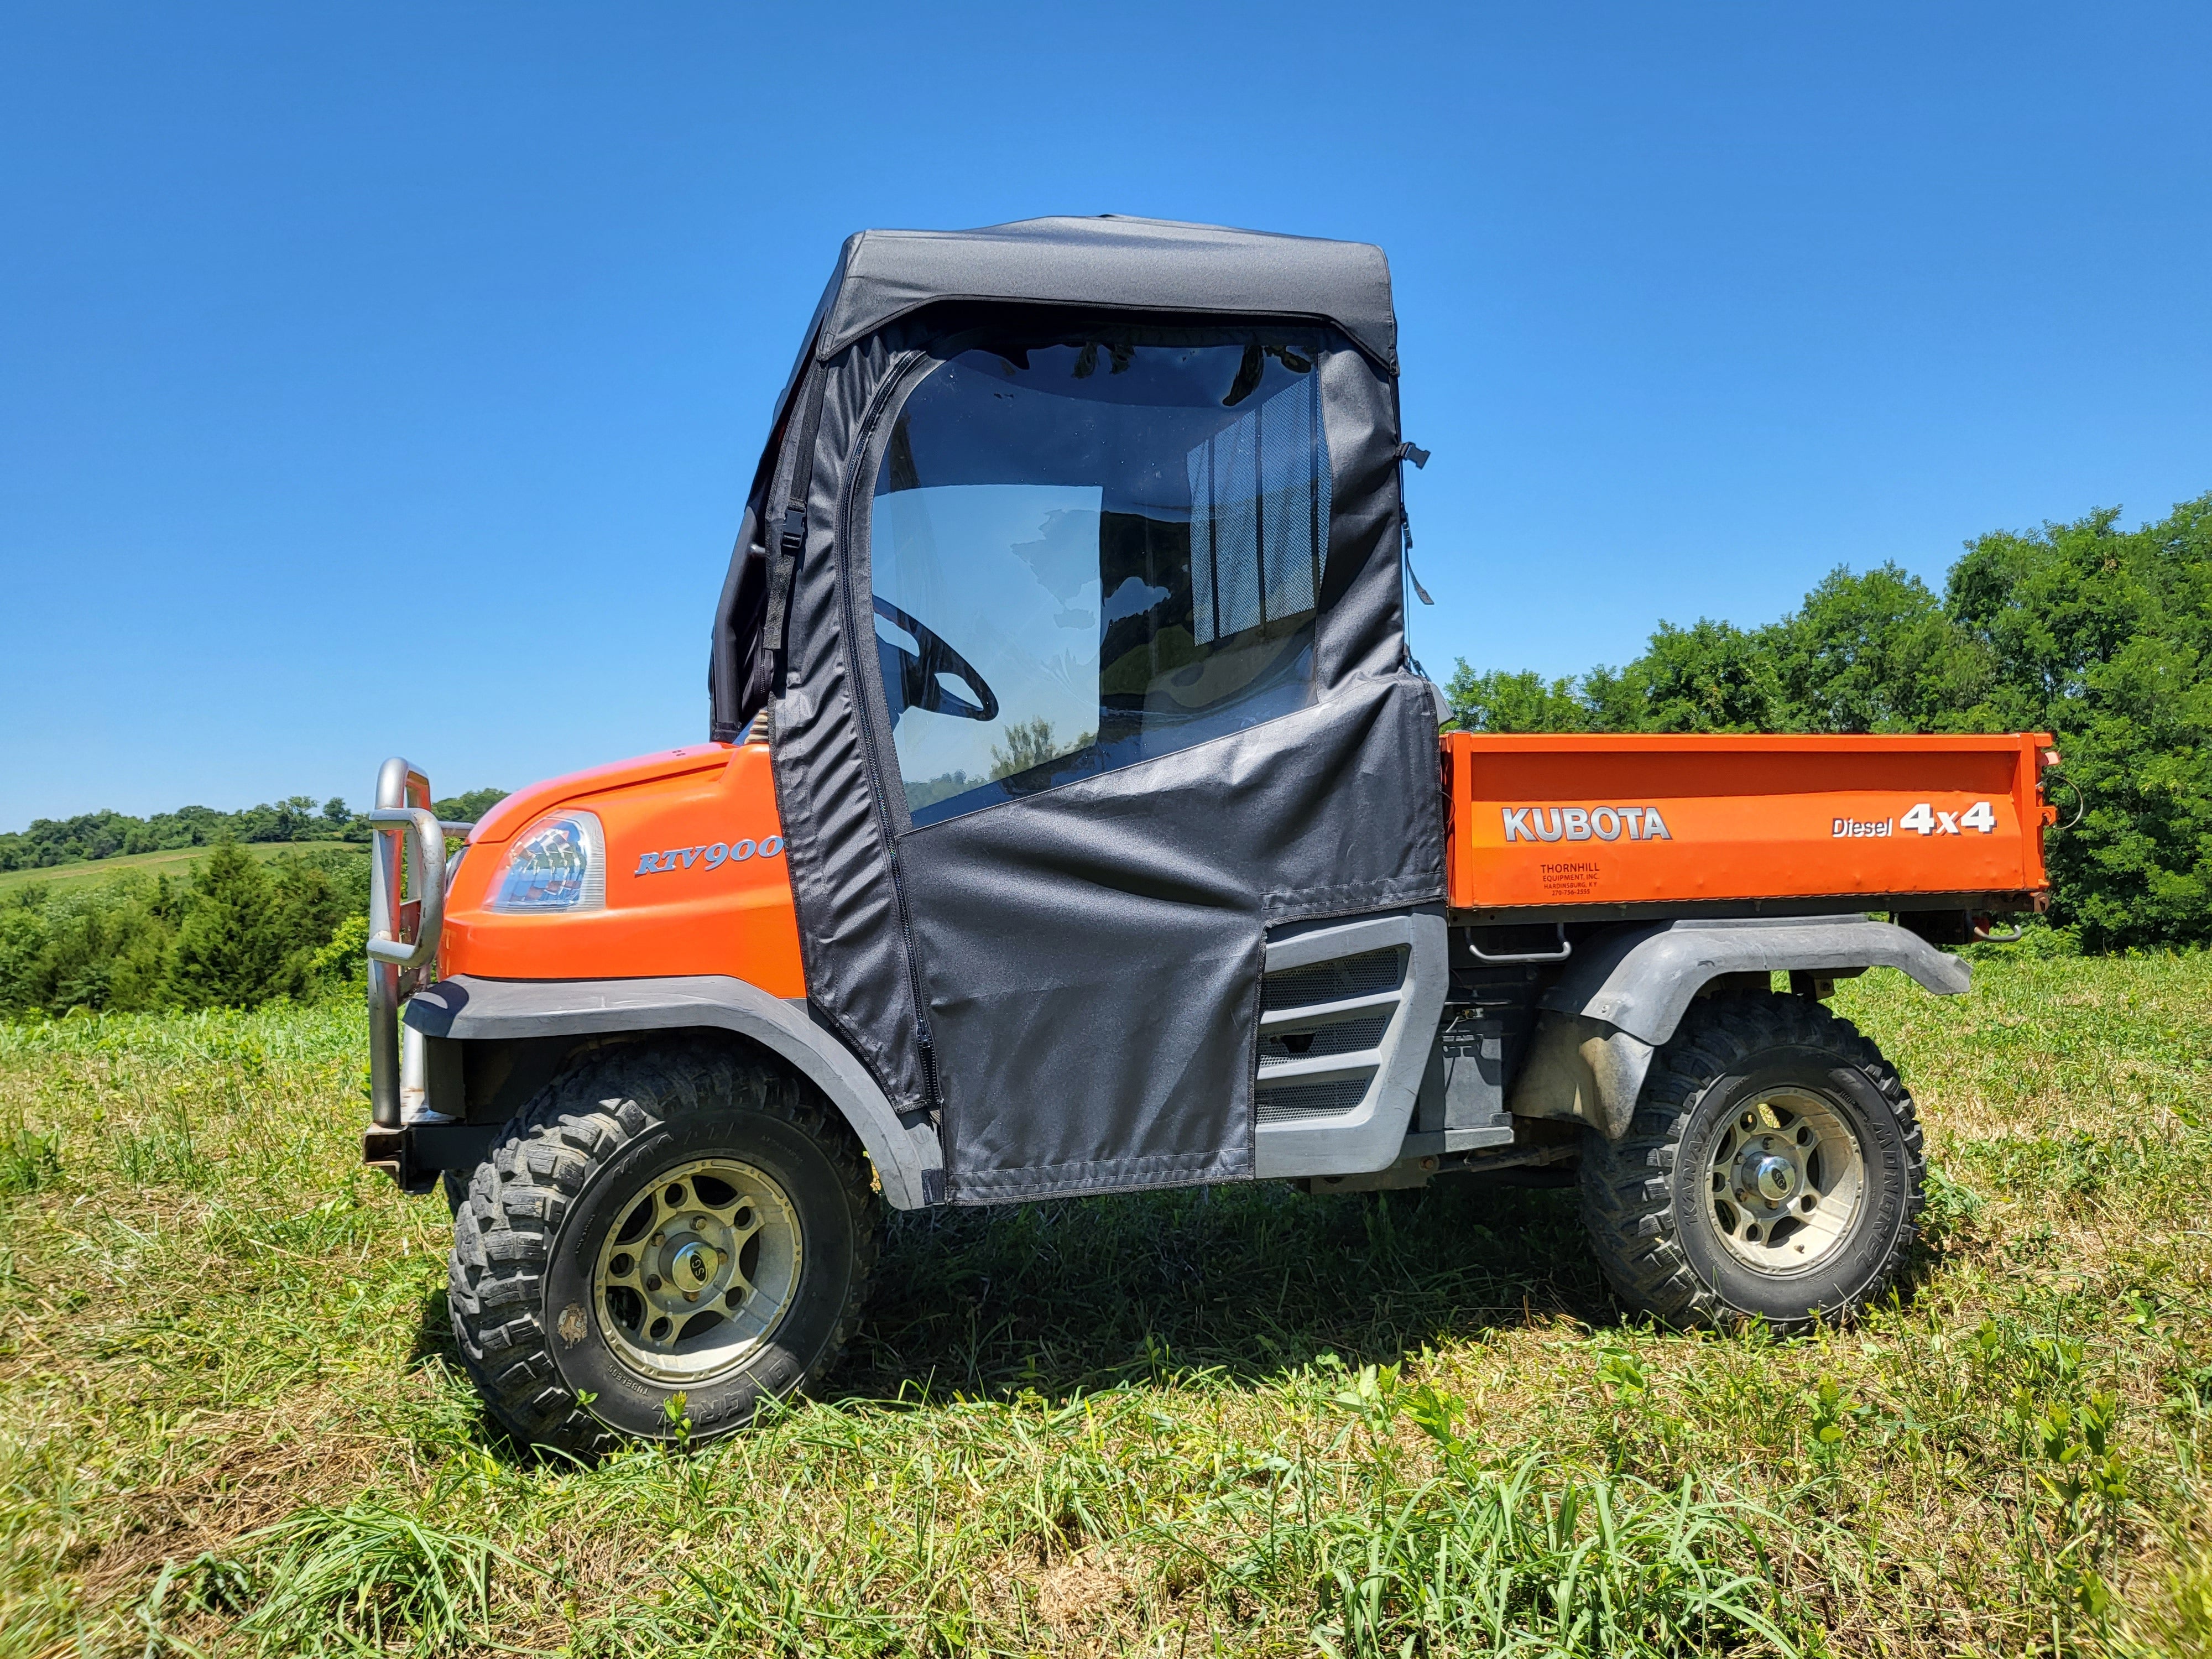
(783, 568)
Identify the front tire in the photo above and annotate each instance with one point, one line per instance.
(1772, 1171)
(667, 1238)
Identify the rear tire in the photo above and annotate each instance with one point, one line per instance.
(1772, 1171)
(667, 1238)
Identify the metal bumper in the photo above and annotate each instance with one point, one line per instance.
(408, 858)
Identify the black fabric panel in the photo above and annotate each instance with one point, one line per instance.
(1362, 624)
(1116, 264)
(1092, 956)
(837, 840)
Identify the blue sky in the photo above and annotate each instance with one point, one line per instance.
(386, 379)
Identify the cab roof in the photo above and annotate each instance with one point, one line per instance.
(1111, 262)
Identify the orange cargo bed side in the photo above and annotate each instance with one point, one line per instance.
(1592, 823)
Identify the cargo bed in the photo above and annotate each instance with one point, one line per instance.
(1565, 828)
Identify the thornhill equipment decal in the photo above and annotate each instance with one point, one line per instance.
(1584, 824)
(721, 852)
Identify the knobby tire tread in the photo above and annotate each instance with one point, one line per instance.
(1627, 1187)
(503, 1233)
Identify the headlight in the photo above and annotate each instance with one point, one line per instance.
(558, 863)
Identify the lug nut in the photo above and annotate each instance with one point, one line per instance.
(690, 1295)
(652, 1281)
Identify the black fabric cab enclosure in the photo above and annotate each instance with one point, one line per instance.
(1070, 585)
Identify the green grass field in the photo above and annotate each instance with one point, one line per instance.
(1242, 1421)
(177, 863)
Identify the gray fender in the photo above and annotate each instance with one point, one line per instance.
(1626, 993)
(906, 1154)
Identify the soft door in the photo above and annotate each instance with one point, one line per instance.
(1136, 695)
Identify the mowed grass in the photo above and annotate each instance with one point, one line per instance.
(177, 863)
(1240, 1422)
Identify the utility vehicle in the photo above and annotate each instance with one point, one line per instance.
(1072, 819)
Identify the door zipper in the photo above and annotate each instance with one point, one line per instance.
(883, 819)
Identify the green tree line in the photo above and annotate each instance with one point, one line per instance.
(2099, 635)
(104, 834)
(238, 932)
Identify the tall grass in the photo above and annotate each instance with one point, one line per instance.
(361, 1576)
(1509, 1563)
(1242, 1421)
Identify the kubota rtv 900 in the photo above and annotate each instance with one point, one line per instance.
(1073, 820)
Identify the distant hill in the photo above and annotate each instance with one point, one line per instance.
(92, 836)
(176, 862)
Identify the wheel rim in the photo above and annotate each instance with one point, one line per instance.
(700, 1271)
(1785, 1181)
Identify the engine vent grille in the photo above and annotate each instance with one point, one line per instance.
(1297, 1100)
(1348, 1011)
(1316, 1066)
(1345, 1038)
(1368, 972)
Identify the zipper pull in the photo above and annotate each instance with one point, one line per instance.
(1419, 458)
(1405, 552)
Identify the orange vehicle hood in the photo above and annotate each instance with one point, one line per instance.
(518, 808)
(695, 879)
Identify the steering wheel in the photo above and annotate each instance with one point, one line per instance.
(915, 677)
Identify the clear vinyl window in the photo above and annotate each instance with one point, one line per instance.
(1094, 550)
